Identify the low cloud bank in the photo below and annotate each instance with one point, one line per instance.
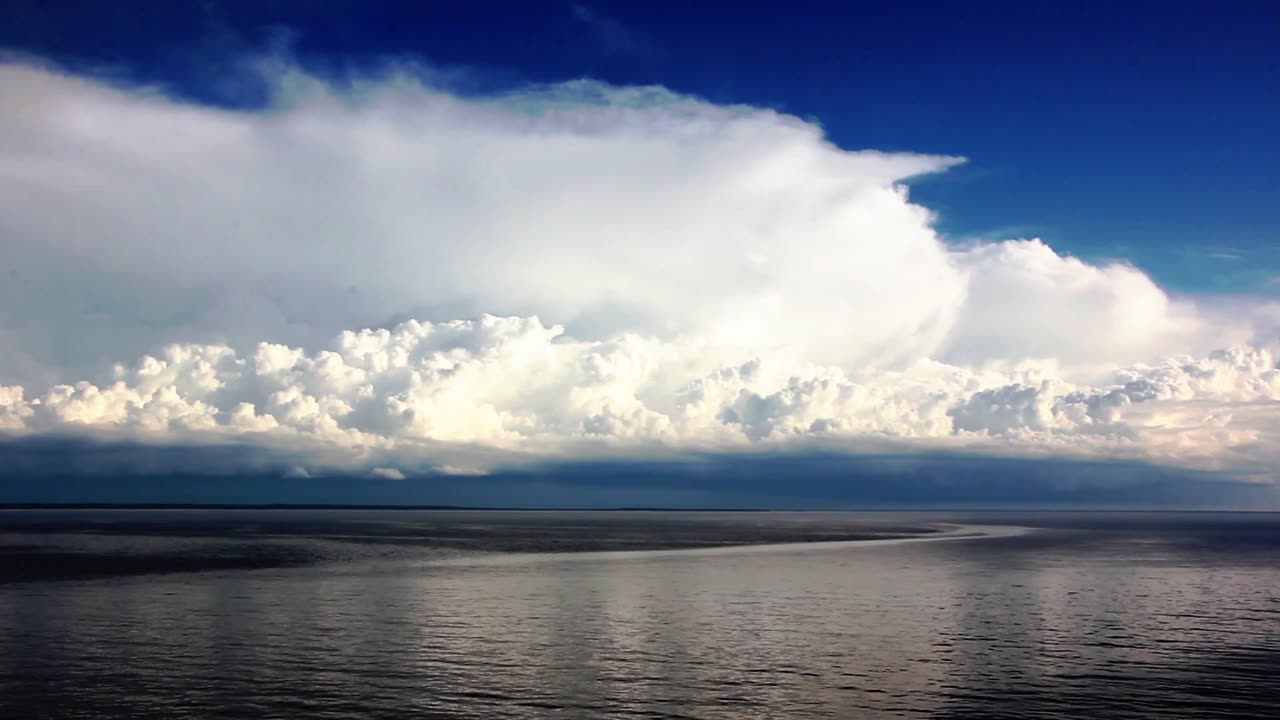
(467, 395)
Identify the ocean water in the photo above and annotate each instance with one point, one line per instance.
(442, 614)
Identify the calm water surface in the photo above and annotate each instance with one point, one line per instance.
(359, 614)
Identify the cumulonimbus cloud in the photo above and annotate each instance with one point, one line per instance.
(640, 269)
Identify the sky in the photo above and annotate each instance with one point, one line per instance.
(557, 253)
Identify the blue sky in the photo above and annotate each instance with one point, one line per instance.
(641, 253)
(1137, 130)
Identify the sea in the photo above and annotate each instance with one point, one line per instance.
(364, 613)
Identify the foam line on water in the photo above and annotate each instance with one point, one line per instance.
(952, 533)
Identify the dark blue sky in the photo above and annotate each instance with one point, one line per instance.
(1141, 130)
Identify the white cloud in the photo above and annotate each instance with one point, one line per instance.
(515, 388)
(1023, 296)
(711, 277)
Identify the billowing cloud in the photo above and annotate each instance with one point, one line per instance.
(591, 270)
(521, 389)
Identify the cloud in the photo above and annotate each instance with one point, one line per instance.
(592, 271)
(614, 38)
(58, 469)
(606, 209)
(462, 396)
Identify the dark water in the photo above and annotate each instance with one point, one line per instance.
(358, 614)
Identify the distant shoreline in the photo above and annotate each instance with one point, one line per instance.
(495, 508)
(310, 506)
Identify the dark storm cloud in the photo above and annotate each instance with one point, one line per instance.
(71, 469)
